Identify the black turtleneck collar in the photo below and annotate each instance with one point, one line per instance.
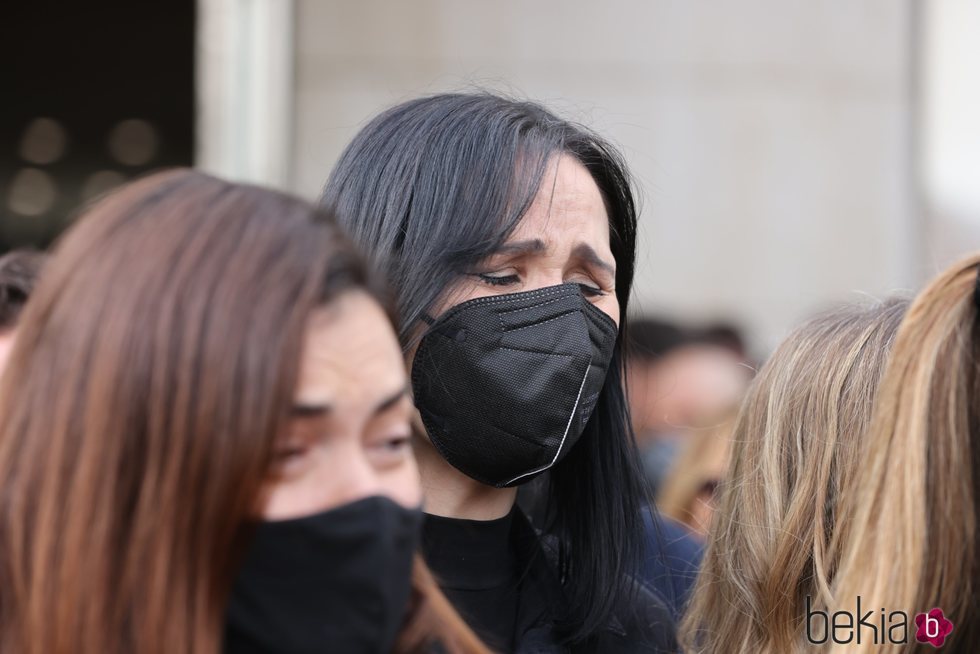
(470, 554)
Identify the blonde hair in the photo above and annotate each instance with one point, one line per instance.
(795, 446)
(913, 543)
(701, 463)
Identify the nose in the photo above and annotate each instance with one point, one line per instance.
(346, 476)
(357, 479)
(543, 278)
(350, 478)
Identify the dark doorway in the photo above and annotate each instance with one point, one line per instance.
(93, 94)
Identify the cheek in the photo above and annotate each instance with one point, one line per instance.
(404, 486)
(6, 345)
(610, 306)
(465, 289)
(285, 499)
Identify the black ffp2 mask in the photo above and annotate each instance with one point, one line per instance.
(506, 384)
(337, 581)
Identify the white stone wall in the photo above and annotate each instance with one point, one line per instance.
(771, 139)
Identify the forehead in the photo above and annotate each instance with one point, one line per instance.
(350, 353)
(567, 207)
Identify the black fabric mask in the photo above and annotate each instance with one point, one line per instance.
(337, 581)
(506, 384)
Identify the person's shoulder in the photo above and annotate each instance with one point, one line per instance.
(647, 624)
(643, 625)
(671, 560)
(673, 539)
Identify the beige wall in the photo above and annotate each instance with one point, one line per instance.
(950, 111)
(771, 139)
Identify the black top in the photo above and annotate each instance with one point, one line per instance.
(502, 581)
(476, 565)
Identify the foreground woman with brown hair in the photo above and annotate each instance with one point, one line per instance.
(797, 445)
(204, 440)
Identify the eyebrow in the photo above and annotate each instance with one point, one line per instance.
(531, 246)
(391, 401)
(310, 410)
(588, 254)
(583, 251)
(301, 410)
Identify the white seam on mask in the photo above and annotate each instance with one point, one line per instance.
(564, 436)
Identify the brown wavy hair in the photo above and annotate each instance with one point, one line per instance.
(157, 363)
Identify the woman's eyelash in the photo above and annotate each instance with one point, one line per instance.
(506, 280)
(591, 290)
(397, 442)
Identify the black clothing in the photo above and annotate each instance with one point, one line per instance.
(671, 558)
(475, 563)
(502, 580)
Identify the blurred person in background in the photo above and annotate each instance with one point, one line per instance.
(683, 384)
(204, 440)
(19, 271)
(680, 379)
(688, 493)
(913, 543)
(509, 236)
(799, 445)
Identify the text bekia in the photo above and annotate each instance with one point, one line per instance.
(844, 627)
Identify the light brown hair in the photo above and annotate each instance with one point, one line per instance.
(797, 443)
(697, 473)
(913, 543)
(140, 407)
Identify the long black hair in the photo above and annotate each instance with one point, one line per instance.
(435, 185)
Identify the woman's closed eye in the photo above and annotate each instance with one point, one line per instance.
(590, 290)
(289, 458)
(498, 279)
(390, 450)
(289, 452)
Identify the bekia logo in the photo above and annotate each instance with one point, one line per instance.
(881, 628)
(933, 627)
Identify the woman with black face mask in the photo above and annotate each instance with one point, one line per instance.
(509, 236)
(204, 440)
